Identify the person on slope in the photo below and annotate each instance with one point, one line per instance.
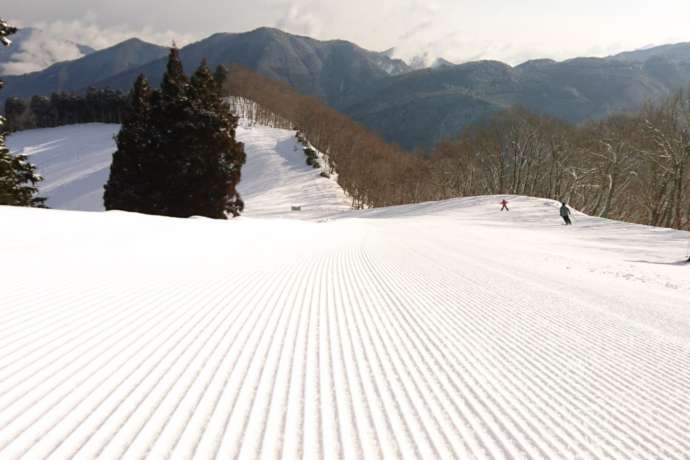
(504, 206)
(565, 214)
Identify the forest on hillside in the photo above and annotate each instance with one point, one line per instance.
(633, 167)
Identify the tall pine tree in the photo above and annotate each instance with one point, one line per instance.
(177, 155)
(128, 186)
(18, 177)
(219, 158)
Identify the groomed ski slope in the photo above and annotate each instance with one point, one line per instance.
(441, 330)
(73, 160)
(75, 163)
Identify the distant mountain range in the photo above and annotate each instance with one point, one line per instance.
(331, 70)
(415, 108)
(79, 74)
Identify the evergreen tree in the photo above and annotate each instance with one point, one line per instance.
(217, 157)
(221, 77)
(172, 134)
(128, 188)
(18, 177)
(177, 155)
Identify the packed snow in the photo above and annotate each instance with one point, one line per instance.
(438, 330)
(73, 160)
(75, 163)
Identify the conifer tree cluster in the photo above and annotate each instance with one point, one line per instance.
(18, 177)
(176, 152)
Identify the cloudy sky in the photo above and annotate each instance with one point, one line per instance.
(459, 30)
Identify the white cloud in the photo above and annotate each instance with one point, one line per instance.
(37, 52)
(86, 32)
(57, 41)
(299, 20)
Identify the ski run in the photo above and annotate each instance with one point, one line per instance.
(438, 330)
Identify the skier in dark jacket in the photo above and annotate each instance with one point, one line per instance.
(565, 214)
(504, 205)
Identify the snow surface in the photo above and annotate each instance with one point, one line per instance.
(75, 163)
(438, 330)
(276, 177)
(73, 160)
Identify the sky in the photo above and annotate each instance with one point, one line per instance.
(458, 30)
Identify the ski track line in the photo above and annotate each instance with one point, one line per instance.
(56, 346)
(269, 360)
(108, 377)
(27, 335)
(120, 444)
(26, 304)
(370, 435)
(233, 438)
(187, 437)
(216, 425)
(422, 447)
(60, 368)
(275, 414)
(479, 371)
(493, 390)
(484, 304)
(412, 368)
(77, 446)
(150, 425)
(438, 406)
(343, 372)
(381, 407)
(163, 444)
(457, 337)
(292, 423)
(497, 445)
(333, 423)
(53, 346)
(624, 383)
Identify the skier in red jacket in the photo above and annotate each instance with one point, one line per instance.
(504, 206)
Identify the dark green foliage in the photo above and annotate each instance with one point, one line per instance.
(177, 155)
(18, 177)
(127, 187)
(96, 106)
(312, 158)
(221, 77)
(18, 180)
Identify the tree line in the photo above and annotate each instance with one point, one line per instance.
(95, 106)
(372, 172)
(632, 167)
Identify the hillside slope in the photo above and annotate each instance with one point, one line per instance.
(75, 163)
(424, 107)
(441, 330)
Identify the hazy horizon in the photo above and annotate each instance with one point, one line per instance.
(455, 30)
